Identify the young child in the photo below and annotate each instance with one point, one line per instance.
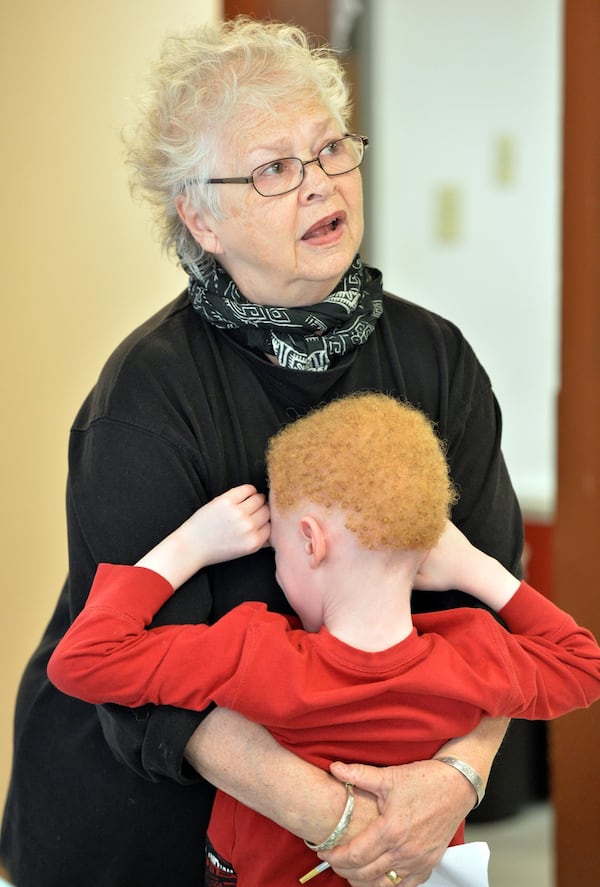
(360, 498)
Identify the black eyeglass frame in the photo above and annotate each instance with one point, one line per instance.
(249, 180)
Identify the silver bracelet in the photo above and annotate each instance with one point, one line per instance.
(342, 826)
(469, 773)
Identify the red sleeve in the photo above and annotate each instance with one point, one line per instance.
(556, 663)
(108, 655)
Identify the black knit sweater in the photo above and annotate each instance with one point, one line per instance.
(180, 414)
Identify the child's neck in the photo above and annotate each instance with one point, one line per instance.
(369, 606)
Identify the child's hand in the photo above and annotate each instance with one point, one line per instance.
(456, 563)
(231, 525)
(446, 565)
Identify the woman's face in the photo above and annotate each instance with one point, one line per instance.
(292, 249)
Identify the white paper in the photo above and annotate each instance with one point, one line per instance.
(465, 865)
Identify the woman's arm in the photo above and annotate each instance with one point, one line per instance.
(242, 759)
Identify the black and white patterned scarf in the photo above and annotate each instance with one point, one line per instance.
(307, 338)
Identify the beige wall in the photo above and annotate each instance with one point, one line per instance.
(80, 268)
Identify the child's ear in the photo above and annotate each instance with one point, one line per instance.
(200, 224)
(315, 542)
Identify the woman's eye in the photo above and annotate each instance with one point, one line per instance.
(331, 148)
(276, 168)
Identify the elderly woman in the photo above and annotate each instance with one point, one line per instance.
(244, 151)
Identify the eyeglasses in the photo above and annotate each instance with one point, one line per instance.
(287, 173)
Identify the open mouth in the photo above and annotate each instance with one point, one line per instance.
(324, 226)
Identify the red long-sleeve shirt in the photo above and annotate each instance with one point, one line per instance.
(319, 697)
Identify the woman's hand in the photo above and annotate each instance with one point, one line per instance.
(421, 807)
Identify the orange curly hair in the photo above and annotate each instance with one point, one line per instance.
(375, 458)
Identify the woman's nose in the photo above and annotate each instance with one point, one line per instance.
(315, 181)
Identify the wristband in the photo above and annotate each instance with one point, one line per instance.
(469, 773)
(342, 826)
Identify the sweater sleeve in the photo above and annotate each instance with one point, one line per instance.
(555, 662)
(439, 372)
(108, 655)
(487, 510)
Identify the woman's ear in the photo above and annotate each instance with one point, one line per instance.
(315, 541)
(201, 226)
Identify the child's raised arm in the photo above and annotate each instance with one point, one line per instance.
(231, 525)
(456, 563)
(107, 655)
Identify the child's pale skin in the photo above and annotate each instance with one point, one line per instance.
(230, 526)
(318, 548)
